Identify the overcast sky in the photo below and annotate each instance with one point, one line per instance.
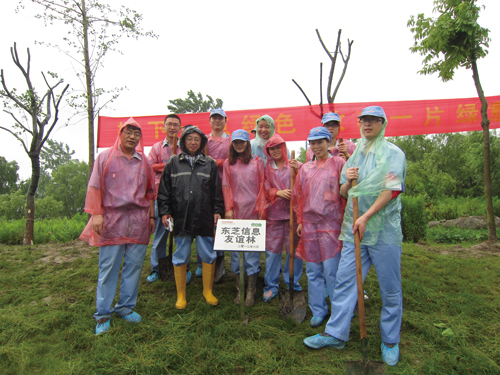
(246, 54)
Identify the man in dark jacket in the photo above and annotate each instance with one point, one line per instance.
(190, 193)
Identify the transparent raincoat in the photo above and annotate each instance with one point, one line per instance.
(320, 208)
(120, 189)
(243, 188)
(218, 149)
(277, 208)
(158, 157)
(382, 166)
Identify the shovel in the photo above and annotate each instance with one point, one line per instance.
(165, 265)
(364, 365)
(292, 302)
(219, 261)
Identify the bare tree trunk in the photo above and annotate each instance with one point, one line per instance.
(29, 228)
(485, 124)
(88, 78)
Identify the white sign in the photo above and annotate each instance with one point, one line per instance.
(240, 235)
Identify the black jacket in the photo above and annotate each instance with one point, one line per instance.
(192, 195)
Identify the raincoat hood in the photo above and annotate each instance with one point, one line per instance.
(130, 121)
(272, 129)
(190, 130)
(276, 140)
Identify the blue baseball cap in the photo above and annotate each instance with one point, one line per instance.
(330, 116)
(240, 134)
(373, 111)
(218, 111)
(319, 133)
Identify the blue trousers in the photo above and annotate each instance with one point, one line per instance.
(110, 258)
(204, 248)
(160, 241)
(251, 264)
(273, 270)
(317, 275)
(387, 261)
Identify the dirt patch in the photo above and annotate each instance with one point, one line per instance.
(477, 251)
(60, 253)
(465, 222)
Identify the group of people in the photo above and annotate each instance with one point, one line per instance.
(207, 178)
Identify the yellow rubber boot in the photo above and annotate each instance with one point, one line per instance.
(180, 283)
(208, 282)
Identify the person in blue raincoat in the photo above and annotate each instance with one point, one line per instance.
(380, 168)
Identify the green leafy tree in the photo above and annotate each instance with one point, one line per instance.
(452, 40)
(42, 114)
(95, 29)
(69, 186)
(194, 103)
(8, 176)
(302, 155)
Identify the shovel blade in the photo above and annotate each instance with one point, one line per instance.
(219, 268)
(293, 306)
(365, 367)
(166, 269)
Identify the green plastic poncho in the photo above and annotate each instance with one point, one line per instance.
(382, 166)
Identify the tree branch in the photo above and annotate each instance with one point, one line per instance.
(346, 62)
(18, 122)
(17, 137)
(300, 88)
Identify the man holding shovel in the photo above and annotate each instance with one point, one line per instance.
(158, 156)
(379, 168)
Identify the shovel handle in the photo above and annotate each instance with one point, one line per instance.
(359, 270)
(291, 253)
(174, 146)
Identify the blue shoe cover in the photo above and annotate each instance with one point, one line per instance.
(390, 355)
(103, 327)
(317, 320)
(319, 341)
(199, 272)
(269, 295)
(188, 277)
(153, 277)
(133, 317)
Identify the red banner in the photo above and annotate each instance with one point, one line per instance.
(293, 123)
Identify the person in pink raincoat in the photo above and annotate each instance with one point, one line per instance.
(120, 197)
(244, 198)
(331, 121)
(158, 156)
(320, 210)
(277, 173)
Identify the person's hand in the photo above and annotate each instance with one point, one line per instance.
(299, 230)
(216, 217)
(164, 220)
(343, 149)
(229, 215)
(360, 226)
(152, 225)
(97, 223)
(294, 164)
(352, 174)
(286, 194)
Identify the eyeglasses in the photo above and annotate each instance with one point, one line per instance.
(135, 134)
(172, 125)
(193, 139)
(369, 119)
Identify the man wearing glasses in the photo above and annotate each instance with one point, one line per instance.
(158, 158)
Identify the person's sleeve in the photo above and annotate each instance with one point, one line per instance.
(227, 192)
(216, 190)
(165, 191)
(397, 171)
(150, 190)
(270, 191)
(93, 200)
(297, 197)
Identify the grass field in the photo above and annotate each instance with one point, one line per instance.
(451, 322)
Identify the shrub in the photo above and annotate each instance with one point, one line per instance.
(413, 219)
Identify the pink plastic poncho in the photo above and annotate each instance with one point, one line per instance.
(218, 149)
(158, 158)
(277, 208)
(243, 188)
(320, 208)
(120, 189)
(334, 151)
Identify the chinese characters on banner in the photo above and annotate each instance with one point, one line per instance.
(293, 123)
(240, 235)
